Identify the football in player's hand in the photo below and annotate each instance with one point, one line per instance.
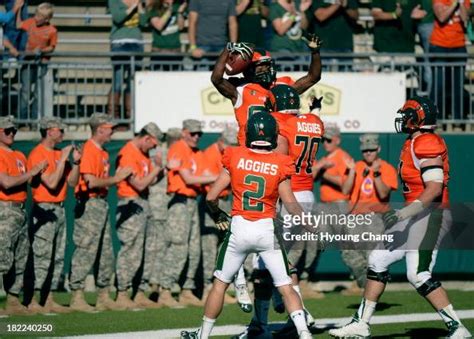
(236, 64)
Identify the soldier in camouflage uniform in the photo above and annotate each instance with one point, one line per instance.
(209, 232)
(155, 237)
(48, 227)
(182, 227)
(92, 232)
(133, 212)
(14, 244)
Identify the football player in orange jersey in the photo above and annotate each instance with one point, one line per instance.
(258, 177)
(250, 93)
(421, 224)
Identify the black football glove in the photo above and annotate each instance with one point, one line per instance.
(316, 103)
(312, 41)
(390, 218)
(220, 217)
(245, 49)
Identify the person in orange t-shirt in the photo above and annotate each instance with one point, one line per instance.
(183, 235)
(42, 38)
(48, 215)
(209, 232)
(448, 37)
(92, 232)
(14, 243)
(133, 212)
(369, 182)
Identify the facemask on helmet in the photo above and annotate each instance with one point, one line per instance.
(266, 76)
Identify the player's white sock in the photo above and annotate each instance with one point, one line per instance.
(260, 315)
(448, 314)
(240, 277)
(299, 320)
(366, 310)
(206, 327)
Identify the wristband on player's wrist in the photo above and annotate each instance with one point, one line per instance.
(192, 48)
(394, 15)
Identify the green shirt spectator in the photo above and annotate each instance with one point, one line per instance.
(126, 21)
(166, 17)
(394, 30)
(288, 21)
(334, 23)
(249, 16)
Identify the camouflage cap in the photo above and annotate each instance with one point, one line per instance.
(331, 130)
(6, 122)
(98, 119)
(229, 135)
(153, 130)
(369, 141)
(192, 125)
(173, 132)
(52, 122)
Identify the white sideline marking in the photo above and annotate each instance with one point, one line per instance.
(320, 323)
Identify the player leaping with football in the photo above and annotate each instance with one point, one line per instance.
(258, 176)
(250, 93)
(424, 171)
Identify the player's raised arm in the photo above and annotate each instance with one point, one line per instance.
(314, 72)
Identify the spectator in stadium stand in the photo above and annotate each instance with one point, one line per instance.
(369, 184)
(333, 172)
(128, 17)
(451, 18)
(395, 27)
(249, 16)
(166, 17)
(289, 19)
(209, 232)
(211, 26)
(182, 227)
(42, 38)
(424, 29)
(14, 39)
(334, 23)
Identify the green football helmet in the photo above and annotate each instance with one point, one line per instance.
(262, 131)
(287, 99)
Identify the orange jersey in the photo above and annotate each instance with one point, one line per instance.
(94, 161)
(213, 163)
(423, 146)
(251, 99)
(329, 192)
(303, 132)
(131, 156)
(41, 193)
(364, 198)
(188, 158)
(255, 178)
(451, 33)
(12, 163)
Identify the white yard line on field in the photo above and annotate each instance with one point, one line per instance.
(320, 323)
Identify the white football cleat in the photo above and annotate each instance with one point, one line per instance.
(243, 298)
(305, 335)
(355, 329)
(457, 331)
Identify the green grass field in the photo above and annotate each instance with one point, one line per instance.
(333, 306)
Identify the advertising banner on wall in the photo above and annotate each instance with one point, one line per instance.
(356, 102)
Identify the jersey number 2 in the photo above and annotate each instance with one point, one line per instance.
(310, 146)
(249, 197)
